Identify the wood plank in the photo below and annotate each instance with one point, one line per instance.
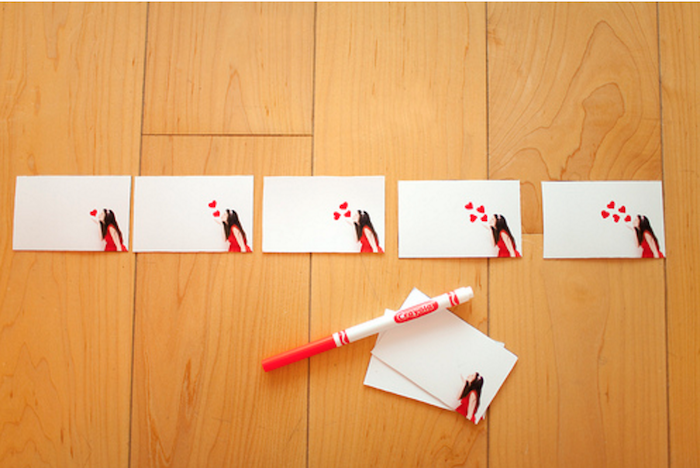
(400, 92)
(205, 322)
(590, 386)
(573, 95)
(680, 71)
(229, 68)
(70, 104)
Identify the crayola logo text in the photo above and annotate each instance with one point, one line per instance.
(415, 312)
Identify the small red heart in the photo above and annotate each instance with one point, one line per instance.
(93, 213)
(616, 217)
(628, 218)
(484, 218)
(622, 209)
(336, 215)
(212, 204)
(604, 214)
(348, 213)
(611, 205)
(344, 206)
(469, 206)
(473, 217)
(216, 214)
(480, 209)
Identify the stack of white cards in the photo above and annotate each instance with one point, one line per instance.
(432, 359)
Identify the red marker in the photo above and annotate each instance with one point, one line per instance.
(371, 327)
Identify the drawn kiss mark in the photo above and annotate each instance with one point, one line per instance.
(344, 206)
(604, 214)
(93, 213)
(212, 204)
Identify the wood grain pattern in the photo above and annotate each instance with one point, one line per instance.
(608, 368)
(680, 59)
(590, 386)
(576, 100)
(66, 318)
(405, 79)
(400, 91)
(63, 109)
(229, 68)
(573, 95)
(204, 323)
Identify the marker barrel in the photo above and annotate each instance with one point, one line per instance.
(371, 327)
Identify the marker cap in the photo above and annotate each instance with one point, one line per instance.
(297, 354)
(464, 294)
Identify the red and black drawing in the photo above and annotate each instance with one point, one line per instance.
(471, 397)
(233, 231)
(644, 234)
(502, 238)
(109, 230)
(364, 231)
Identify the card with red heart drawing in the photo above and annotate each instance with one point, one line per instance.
(193, 214)
(603, 219)
(459, 218)
(67, 213)
(323, 214)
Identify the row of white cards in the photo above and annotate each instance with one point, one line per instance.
(436, 219)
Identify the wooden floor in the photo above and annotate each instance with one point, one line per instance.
(154, 359)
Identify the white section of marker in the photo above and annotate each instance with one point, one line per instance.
(371, 327)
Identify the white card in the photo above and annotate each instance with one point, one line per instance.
(459, 218)
(383, 377)
(620, 219)
(62, 213)
(323, 214)
(430, 359)
(193, 214)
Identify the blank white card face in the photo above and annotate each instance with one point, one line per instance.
(323, 214)
(62, 213)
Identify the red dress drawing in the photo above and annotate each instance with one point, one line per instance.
(503, 250)
(233, 244)
(463, 407)
(110, 245)
(471, 394)
(366, 246)
(647, 252)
